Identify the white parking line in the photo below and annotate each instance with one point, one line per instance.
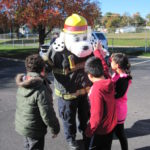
(140, 63)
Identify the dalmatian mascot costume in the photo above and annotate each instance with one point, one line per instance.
(67, 56)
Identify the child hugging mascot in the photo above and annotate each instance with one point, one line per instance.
(67, 56)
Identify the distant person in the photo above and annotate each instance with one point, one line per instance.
(55, 36)
(103, 117)
(122, 79)
(34, 108)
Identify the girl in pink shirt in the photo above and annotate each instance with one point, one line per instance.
(122, 78)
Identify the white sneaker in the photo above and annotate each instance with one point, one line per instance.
(73, 145)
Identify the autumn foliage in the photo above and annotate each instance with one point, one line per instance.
(47, 14)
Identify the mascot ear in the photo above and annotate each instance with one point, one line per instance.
(59, 44)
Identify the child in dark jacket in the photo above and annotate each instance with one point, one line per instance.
(34, 108)
(102, 107)
(122, 79)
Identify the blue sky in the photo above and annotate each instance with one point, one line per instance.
(128, 6)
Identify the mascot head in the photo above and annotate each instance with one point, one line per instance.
(75, 37)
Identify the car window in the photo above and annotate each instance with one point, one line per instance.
(100, 36)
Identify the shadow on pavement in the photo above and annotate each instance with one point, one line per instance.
(9, 70)
(144, 148)
(139, 128)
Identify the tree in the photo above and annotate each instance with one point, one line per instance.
(125, 20)
(111, 20)
(138, 20)
(148, 20)
(114, 21)
(3, 23)
(105, 18)
(42, 14)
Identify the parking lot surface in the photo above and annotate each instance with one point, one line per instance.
(137, 124)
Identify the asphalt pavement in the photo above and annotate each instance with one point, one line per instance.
(137, 124)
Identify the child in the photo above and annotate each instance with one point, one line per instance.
(122, 79)
(102, 107)
(34, 111)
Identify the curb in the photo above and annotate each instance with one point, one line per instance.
(12, 59)
(147, 57)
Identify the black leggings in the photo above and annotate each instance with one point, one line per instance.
(120, 133)
(101, 142)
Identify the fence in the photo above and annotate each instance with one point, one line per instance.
(12, 40)
(139, 38)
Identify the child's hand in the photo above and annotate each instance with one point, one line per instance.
(98, 45)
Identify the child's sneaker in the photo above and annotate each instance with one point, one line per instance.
(73, 145)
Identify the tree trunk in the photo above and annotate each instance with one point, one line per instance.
(41, 35)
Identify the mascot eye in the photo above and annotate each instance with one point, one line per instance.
(77, 39)
(84, 38)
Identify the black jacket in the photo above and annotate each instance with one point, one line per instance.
(75, 78)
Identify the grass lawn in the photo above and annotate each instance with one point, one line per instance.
(19, 53)
(129, 39)
(146, 54)
(18, 41)
(129, 35)
(10, 47)
(129, 42)
(122, 39)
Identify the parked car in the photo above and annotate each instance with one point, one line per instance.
(44, 47)
(127, 29)
(100, 36)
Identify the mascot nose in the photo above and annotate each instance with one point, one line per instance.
(85, 47)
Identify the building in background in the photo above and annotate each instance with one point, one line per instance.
(126, 29)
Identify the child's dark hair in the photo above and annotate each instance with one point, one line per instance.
(34, 63)
(94, 66)
(122, 60)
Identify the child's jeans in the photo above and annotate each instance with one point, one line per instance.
(33, 144)
(101, 142)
